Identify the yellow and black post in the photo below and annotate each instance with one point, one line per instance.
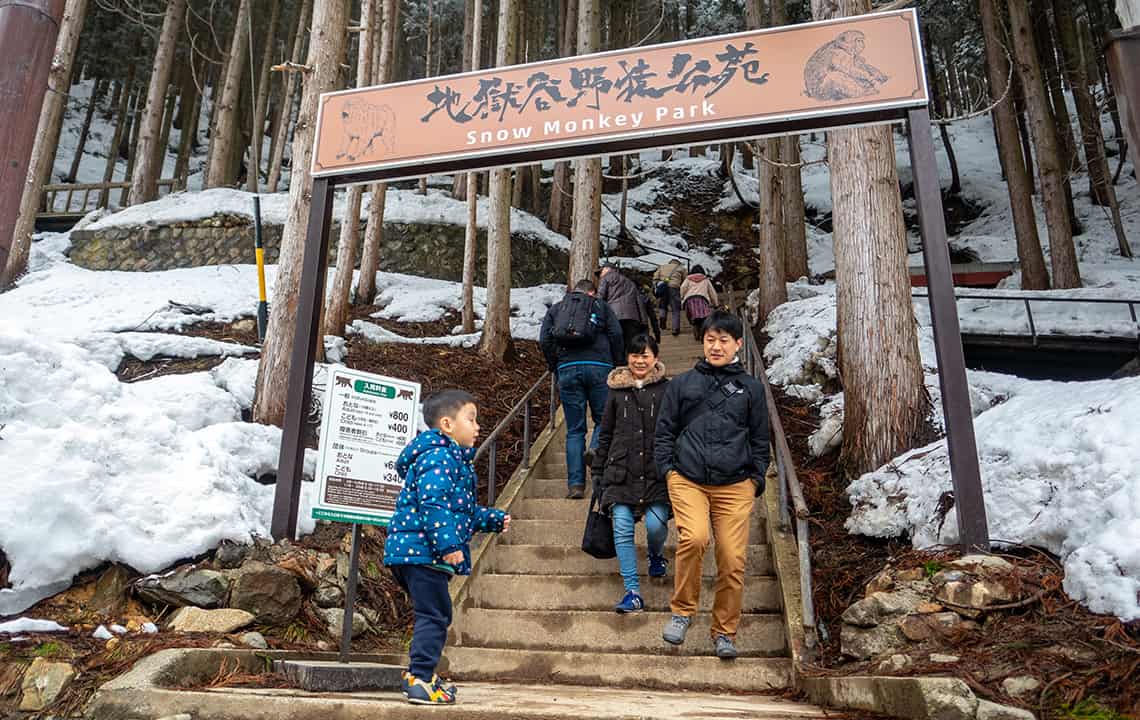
(262, 305)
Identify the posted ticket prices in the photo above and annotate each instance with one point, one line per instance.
(367, 421)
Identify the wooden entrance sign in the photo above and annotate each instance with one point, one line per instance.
(846, 71)
(792, 79)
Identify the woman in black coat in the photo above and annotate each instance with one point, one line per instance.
(624, 472)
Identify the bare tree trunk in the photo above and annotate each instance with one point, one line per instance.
(423, 184)
(330, 18)
(471, 186)
(886, 403)
(43, 148)
(1047, 59)
(1062, 252)
(459, 180)
(586, 227)
(558, 217)
(261, 106)
(189, 108)
(1100, 185)
(389, 14)
(131, 147)
(163, 145)
(747, 160)
(144, 187)
(496, 341)
(794, 232)
(773, 291)
(292, 81)
(122, 114)
(1023, 131)
(1032, 260)
(218, 172)
(943, 109)
(85, 130)
(336, 312)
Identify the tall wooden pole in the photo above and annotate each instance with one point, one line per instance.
(28, 30)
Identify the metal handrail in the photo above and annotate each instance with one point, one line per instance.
(490, 444)
(791, 503)
(1026, 299)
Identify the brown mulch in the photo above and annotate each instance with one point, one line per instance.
(1088, 664)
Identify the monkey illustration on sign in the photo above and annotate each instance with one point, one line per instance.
(837, 70)
(366, 126)
(342, 381)
(405, 395)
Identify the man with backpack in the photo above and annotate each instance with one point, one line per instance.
(581, 339)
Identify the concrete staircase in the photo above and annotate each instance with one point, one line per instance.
(539, 609)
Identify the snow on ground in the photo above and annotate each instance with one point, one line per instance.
(400, 206)
(30, 625)
(1058, 459)
(1058, 471)
(143, 473)
(157, 470)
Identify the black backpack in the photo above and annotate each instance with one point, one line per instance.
(577, 320)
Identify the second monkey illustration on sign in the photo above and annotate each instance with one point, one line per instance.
(366, 127)
(837, 70)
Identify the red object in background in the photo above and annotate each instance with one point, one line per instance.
(979, 275)
(28, 30)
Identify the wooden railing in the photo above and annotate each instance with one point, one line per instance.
(101, 191)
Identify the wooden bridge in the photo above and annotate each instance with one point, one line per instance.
(65, 203)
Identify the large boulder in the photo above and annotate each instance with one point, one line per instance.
(43, 681)
(111, 591)
(271, 594)
(865, 643)
(334, 618)
(226, 620)
(197, 588)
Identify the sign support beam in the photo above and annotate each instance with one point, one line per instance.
(961, 444)
(299, 393)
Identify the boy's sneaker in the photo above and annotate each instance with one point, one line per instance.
(656, 566)
(576, 492)
(419, 692)
(725, 647)
(675, 629)
(631, 603)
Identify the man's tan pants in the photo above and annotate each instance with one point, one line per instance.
(730, 509)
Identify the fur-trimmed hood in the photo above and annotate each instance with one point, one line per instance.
(621, 378)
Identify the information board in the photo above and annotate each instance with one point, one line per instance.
(367, 421)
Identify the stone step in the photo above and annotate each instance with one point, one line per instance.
(759, 635)
(666, 672)
(569, 532)
(561, 509)
(570, 560)
(602, 592)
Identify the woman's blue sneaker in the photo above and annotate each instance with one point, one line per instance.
(631, 603)
(656, 566)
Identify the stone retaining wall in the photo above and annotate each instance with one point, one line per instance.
(427, 250)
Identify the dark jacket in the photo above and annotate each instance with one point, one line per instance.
(623, 462)
(713, 427)
(622, 295)
(436, 512)
(607, 348)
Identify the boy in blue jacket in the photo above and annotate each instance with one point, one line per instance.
(428, 535)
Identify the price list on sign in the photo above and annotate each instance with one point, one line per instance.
(367, 421)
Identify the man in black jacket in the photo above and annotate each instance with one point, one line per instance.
(582, 367)
(712, 448)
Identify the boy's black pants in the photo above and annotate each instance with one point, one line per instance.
(431, 602)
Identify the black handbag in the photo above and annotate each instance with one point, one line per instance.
(598, 537)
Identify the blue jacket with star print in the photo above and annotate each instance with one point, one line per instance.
(436, 513)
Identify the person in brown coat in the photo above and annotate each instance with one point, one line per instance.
(625, 299)
(624, 471)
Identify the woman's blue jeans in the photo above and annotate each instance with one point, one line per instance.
(656, 529)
